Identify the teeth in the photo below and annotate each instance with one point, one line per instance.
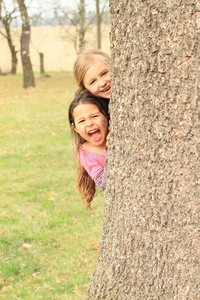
(92, 131)
(106, 89)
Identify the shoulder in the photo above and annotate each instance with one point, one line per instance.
(89, 154)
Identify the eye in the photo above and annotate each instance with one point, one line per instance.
(104, 73)
(93, 81)
(81, 121)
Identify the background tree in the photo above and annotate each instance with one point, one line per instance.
(98, 18)
(76, 22)
(81, 8)
(99, 15)
(7, 18)
(25, 41)
(150, 242)
(73, 21)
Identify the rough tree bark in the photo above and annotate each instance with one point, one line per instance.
(150, 243)
(28, 75)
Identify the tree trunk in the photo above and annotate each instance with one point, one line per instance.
(14, 61)
(98, 20)
(13, 52)
(25, 41)
(6, 23)
(41, 63)
(150, 241)
(82, 26)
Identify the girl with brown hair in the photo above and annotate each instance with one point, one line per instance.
(89, 121)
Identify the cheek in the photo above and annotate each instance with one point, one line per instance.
(90, 89)
(93, 89)
(108, 77)
(104, 123)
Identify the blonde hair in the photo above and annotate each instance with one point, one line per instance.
(84, 61)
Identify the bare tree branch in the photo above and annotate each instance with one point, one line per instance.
(6, 21)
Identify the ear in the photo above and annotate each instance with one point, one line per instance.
(74, 127)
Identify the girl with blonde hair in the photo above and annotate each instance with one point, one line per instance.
(92, 72)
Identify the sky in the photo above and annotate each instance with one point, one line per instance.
(69, 3)
(36, 7)
(35, 4)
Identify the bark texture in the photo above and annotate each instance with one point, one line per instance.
(28, 75)
(150, 247)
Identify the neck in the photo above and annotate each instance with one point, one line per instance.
(93, 148)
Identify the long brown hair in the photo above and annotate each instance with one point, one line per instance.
(85, 183)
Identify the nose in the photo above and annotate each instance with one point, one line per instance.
(89, 122)
(102, 82)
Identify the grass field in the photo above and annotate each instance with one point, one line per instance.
(48, 240)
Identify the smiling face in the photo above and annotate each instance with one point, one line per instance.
(97, 79)
(91, 125)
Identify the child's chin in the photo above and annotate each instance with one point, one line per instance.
(106, 96)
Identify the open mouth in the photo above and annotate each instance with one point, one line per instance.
(95, 134)
(107, 89)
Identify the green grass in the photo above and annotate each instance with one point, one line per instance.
(48, 240)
